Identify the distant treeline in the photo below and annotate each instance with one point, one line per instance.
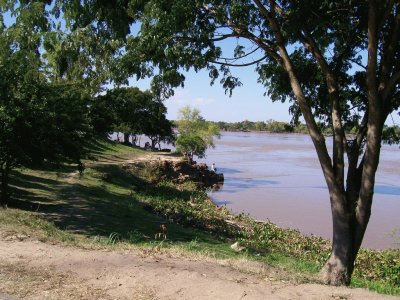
(391, 133)
(268, 126)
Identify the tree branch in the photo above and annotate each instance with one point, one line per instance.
(374, 132)
(358, 64)
(389, 50)
(239, 32)
(265, 47)
(333, 89)
(390, 85)
(224, 37)
(262, 9)
(241, 65)
(362, 130)
(316, 136)
(240, 57)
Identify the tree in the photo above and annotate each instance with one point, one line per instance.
(195, 134)
(40, 120)
(338, 62)
(125, 109)
(277, 127)
(259, 126)
(156, 126)
(131, 111)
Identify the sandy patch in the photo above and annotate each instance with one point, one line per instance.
(30, 269)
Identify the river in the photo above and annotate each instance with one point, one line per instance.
(278, 177)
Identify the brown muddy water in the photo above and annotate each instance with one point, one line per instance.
(278, 177)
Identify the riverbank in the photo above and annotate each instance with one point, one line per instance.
(124, 202)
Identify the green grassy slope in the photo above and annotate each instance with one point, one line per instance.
(123, 200)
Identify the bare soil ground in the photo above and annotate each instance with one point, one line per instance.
(30, 269)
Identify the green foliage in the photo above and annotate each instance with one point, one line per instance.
(379, 266)
(190, 145)
(41, 120)
(113, 238)
(195, 134)
(132, 112)
(391, 135)
(269, 126)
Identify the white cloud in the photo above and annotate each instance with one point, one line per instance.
(181, 99)
(203, 101)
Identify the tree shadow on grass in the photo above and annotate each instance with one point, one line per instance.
(26, 181)
(108, 206)
(28, 191)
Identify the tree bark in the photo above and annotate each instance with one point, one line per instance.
(134, 139)
(5, 173)
(339, 267)
(126, 138)
(153, 143)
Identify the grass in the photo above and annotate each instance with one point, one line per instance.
(101, 205)
(115, 204)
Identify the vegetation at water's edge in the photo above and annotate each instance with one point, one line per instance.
(391, 134)
(195, 134)
(117, 203)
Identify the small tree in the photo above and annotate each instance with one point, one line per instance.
(195, 134)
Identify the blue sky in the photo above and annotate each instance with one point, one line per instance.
(246, 103)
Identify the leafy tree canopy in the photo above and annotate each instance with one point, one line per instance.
(42, 120)
(132, 112)
(195, 134)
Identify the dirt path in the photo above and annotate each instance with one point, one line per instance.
(31, 269)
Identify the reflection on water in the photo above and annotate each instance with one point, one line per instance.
(278, 177)
(235, 185)
(387, 190)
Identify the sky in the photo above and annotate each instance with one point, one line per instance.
(246, 103)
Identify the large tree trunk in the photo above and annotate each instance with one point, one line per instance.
(153, 143)
(4, 197)
(126, 138)
(134, 139)
(339, 267)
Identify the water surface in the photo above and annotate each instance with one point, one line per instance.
(278, 177)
